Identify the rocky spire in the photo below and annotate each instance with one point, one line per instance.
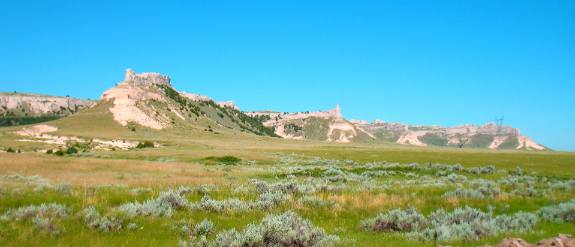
(147, 78)
(337, 111)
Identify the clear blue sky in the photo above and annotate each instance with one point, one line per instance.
(417, 62)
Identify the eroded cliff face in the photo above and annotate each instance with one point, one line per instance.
(319, 125)
(129, 97)
(474, 136)
(35, 105)
(332, 126)
(18, 108)
(149, 100)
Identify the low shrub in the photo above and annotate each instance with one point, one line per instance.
(225, 160)
(204, 228)
(456, 178)
(230, 205)
(46, 225)
(473, 224)
(64, 188)
(95, 221)
(563, 212)
(464, 193)
(480, 188)
(313, 202)
(163, 205)
(563, 185)
(268, 200)
(490, 169)
(145, 144)
(287, 229)
(460, 224)
(42, 216)
(71, 150)
(51, 210)
(395, 220)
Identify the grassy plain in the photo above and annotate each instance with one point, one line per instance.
(109, 179)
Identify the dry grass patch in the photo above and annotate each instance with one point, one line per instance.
(367, 200)
(93, 172)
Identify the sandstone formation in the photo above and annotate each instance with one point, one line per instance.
(562, 240)
(149, 100)
(332, 126)
(325, 125)
(128, 95)
(487, 136)
(18, 108)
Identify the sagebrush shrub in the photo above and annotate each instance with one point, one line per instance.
(95, 221)
(563, 185)
(313, 202)
(64, 188)
(204, 228)
(456, 178)
(563, 212)
(460, 224)
(46, 225)
(464, 193)
(286, 229)
(268, 200)
(396, 220)
(163, 205)
(480, 188)
(472, 224)
(489, 169)
(229, 205)
(50, 210)
(42, 216)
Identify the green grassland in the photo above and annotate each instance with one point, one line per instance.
(334, 186)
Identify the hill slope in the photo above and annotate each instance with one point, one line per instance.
(149, 100)
(465, 136)
(332, 126)
(321, 125)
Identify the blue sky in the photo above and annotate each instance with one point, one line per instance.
(417, 62)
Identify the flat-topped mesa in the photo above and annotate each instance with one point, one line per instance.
(147, 78)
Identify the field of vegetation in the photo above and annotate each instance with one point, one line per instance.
(276, 194)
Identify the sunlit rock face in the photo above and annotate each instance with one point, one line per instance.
(146, 78)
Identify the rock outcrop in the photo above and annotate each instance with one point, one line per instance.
(199, 97)
(128, 95)
(41, 104)
(320, 125)
(149, 100)
(562, 240)
(487, 136)
(18, 108)
(147, 78)
(332, 126)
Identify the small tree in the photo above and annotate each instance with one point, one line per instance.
(145, 144)
(71, 150)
